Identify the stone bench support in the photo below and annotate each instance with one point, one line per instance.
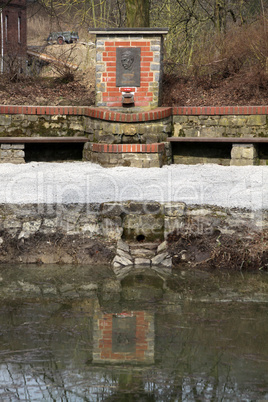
(12, 153)
(244, 154)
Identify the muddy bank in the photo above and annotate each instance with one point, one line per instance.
(219, 251)
(56, 248)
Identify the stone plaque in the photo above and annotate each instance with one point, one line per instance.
(124, 335)
(128, 66)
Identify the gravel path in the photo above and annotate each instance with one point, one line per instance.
(79, 182)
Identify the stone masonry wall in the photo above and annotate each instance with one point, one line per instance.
(220, 126)
(116, 132)
(215, 122)
(28, 125)
(105, 126)
(134, 155)
(98, 124)
(12, 153)
(89, 233)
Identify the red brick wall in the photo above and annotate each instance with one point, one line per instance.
(142, 94)
(14, 44)
(147, 95)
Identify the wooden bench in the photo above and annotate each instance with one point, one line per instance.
(243, 150)
(231, 140)
(16, 149)
(40, 140)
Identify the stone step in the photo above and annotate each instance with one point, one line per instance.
(141, 245)
(142, 253)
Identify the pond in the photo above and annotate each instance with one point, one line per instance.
(167, 347)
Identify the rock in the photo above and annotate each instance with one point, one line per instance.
(121, 271)
(124, 254)
(112, 209)
(150, 226)
(122, 260)
(49, 259)
(89, 287)
(159, 258)
(142, 253)
(21, 235)
(147, 246)
(167, 263)
(49, 226)
(142, 261)
(175, 209)
(29, 228)
(121, 245)
(117, 265)
(162, 247)
(112, 228)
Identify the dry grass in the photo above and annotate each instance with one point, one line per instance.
(40, 24)
(37, 30)
(230, 69)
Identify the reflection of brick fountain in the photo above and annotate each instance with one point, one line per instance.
(126, 337)
(128, 83)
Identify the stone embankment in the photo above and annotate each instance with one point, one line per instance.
(120, 234)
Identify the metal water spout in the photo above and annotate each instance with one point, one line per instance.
(127, 97)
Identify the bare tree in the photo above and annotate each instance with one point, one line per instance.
(137, 13)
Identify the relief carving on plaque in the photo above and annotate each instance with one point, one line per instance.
(128, 66)
(127, 59)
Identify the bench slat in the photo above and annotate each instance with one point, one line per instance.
(25, 140)
(231, 140)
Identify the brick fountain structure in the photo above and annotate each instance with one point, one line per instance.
(128, 83)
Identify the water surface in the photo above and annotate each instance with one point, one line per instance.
(162, 348)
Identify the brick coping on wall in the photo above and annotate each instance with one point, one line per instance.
(128, 148)
(219, 110)
(111, 115)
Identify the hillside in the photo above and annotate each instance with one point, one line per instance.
(176, 91)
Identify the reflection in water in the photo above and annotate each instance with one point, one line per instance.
(126, 337)
(84, 350)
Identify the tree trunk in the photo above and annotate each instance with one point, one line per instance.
(137, 13)
(220, 15)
